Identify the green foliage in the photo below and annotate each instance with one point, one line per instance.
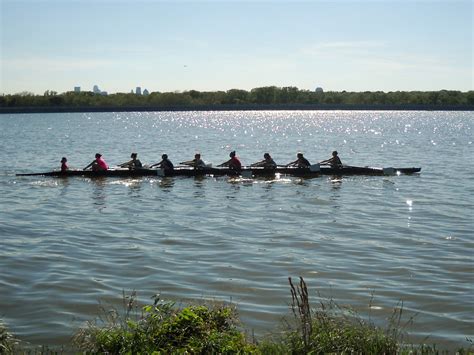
(269, 95)
(342, 335)
(334, 329)
(236, 96)
(212, 329)
(7, 341)
(161, 328)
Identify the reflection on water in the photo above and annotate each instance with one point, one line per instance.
(336, 184)
(98, 192)
(167, 183)
(64, 183)
(199, 182)
(236, 238)
(135, 187)
(234, 190)
(301, 181)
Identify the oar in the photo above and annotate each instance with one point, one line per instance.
(88, 166)
(30, 174)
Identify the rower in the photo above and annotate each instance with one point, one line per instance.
(197, 162)
(132, 164)
(267, 162)
(334, 162)
(165, 163)
(98, 164)
(64, 166)
(301, 162)
(233, 163)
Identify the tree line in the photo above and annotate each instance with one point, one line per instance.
(269, 95)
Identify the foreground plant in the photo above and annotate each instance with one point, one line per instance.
(329, 329)
(162, 328)
(7, 341)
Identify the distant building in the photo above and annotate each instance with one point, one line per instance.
(146, 92)
(97, 91)
(138, 90)
(77, 89)
(319, 89)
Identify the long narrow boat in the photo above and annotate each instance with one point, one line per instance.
(313, 171)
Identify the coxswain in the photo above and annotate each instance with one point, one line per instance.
(301, 162)
(132, 164)
(233, 163)
(98, 164)
(267, 162)
(334, 162)
(64, 166)
(165, 163)
(197, 162)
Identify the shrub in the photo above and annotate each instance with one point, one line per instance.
(162, 328)
(7, 341)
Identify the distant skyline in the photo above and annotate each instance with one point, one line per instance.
(220, 45)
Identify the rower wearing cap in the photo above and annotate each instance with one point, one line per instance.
(233, 163)
(267, 162)
(301, 162)
(132, 164)
(64, 166)
(197, 162)
(98, 164)
(334, 162)
(165, 163)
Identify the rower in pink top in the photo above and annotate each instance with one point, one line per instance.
(98, 164)
(64, 166)
(233, 163)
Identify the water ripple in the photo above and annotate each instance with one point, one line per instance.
(69, 243)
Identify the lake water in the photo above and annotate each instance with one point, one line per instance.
(68, 244)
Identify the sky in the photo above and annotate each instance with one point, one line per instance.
(351, 45)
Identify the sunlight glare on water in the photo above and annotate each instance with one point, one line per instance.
(68, 243)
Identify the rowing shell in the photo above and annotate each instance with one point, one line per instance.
(313, 171)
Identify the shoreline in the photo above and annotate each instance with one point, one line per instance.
(246, 107)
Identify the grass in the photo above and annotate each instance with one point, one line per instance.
(161, 327)
(7, 341)
(329, 328)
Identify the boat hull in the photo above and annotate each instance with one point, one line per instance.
(246, 172)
